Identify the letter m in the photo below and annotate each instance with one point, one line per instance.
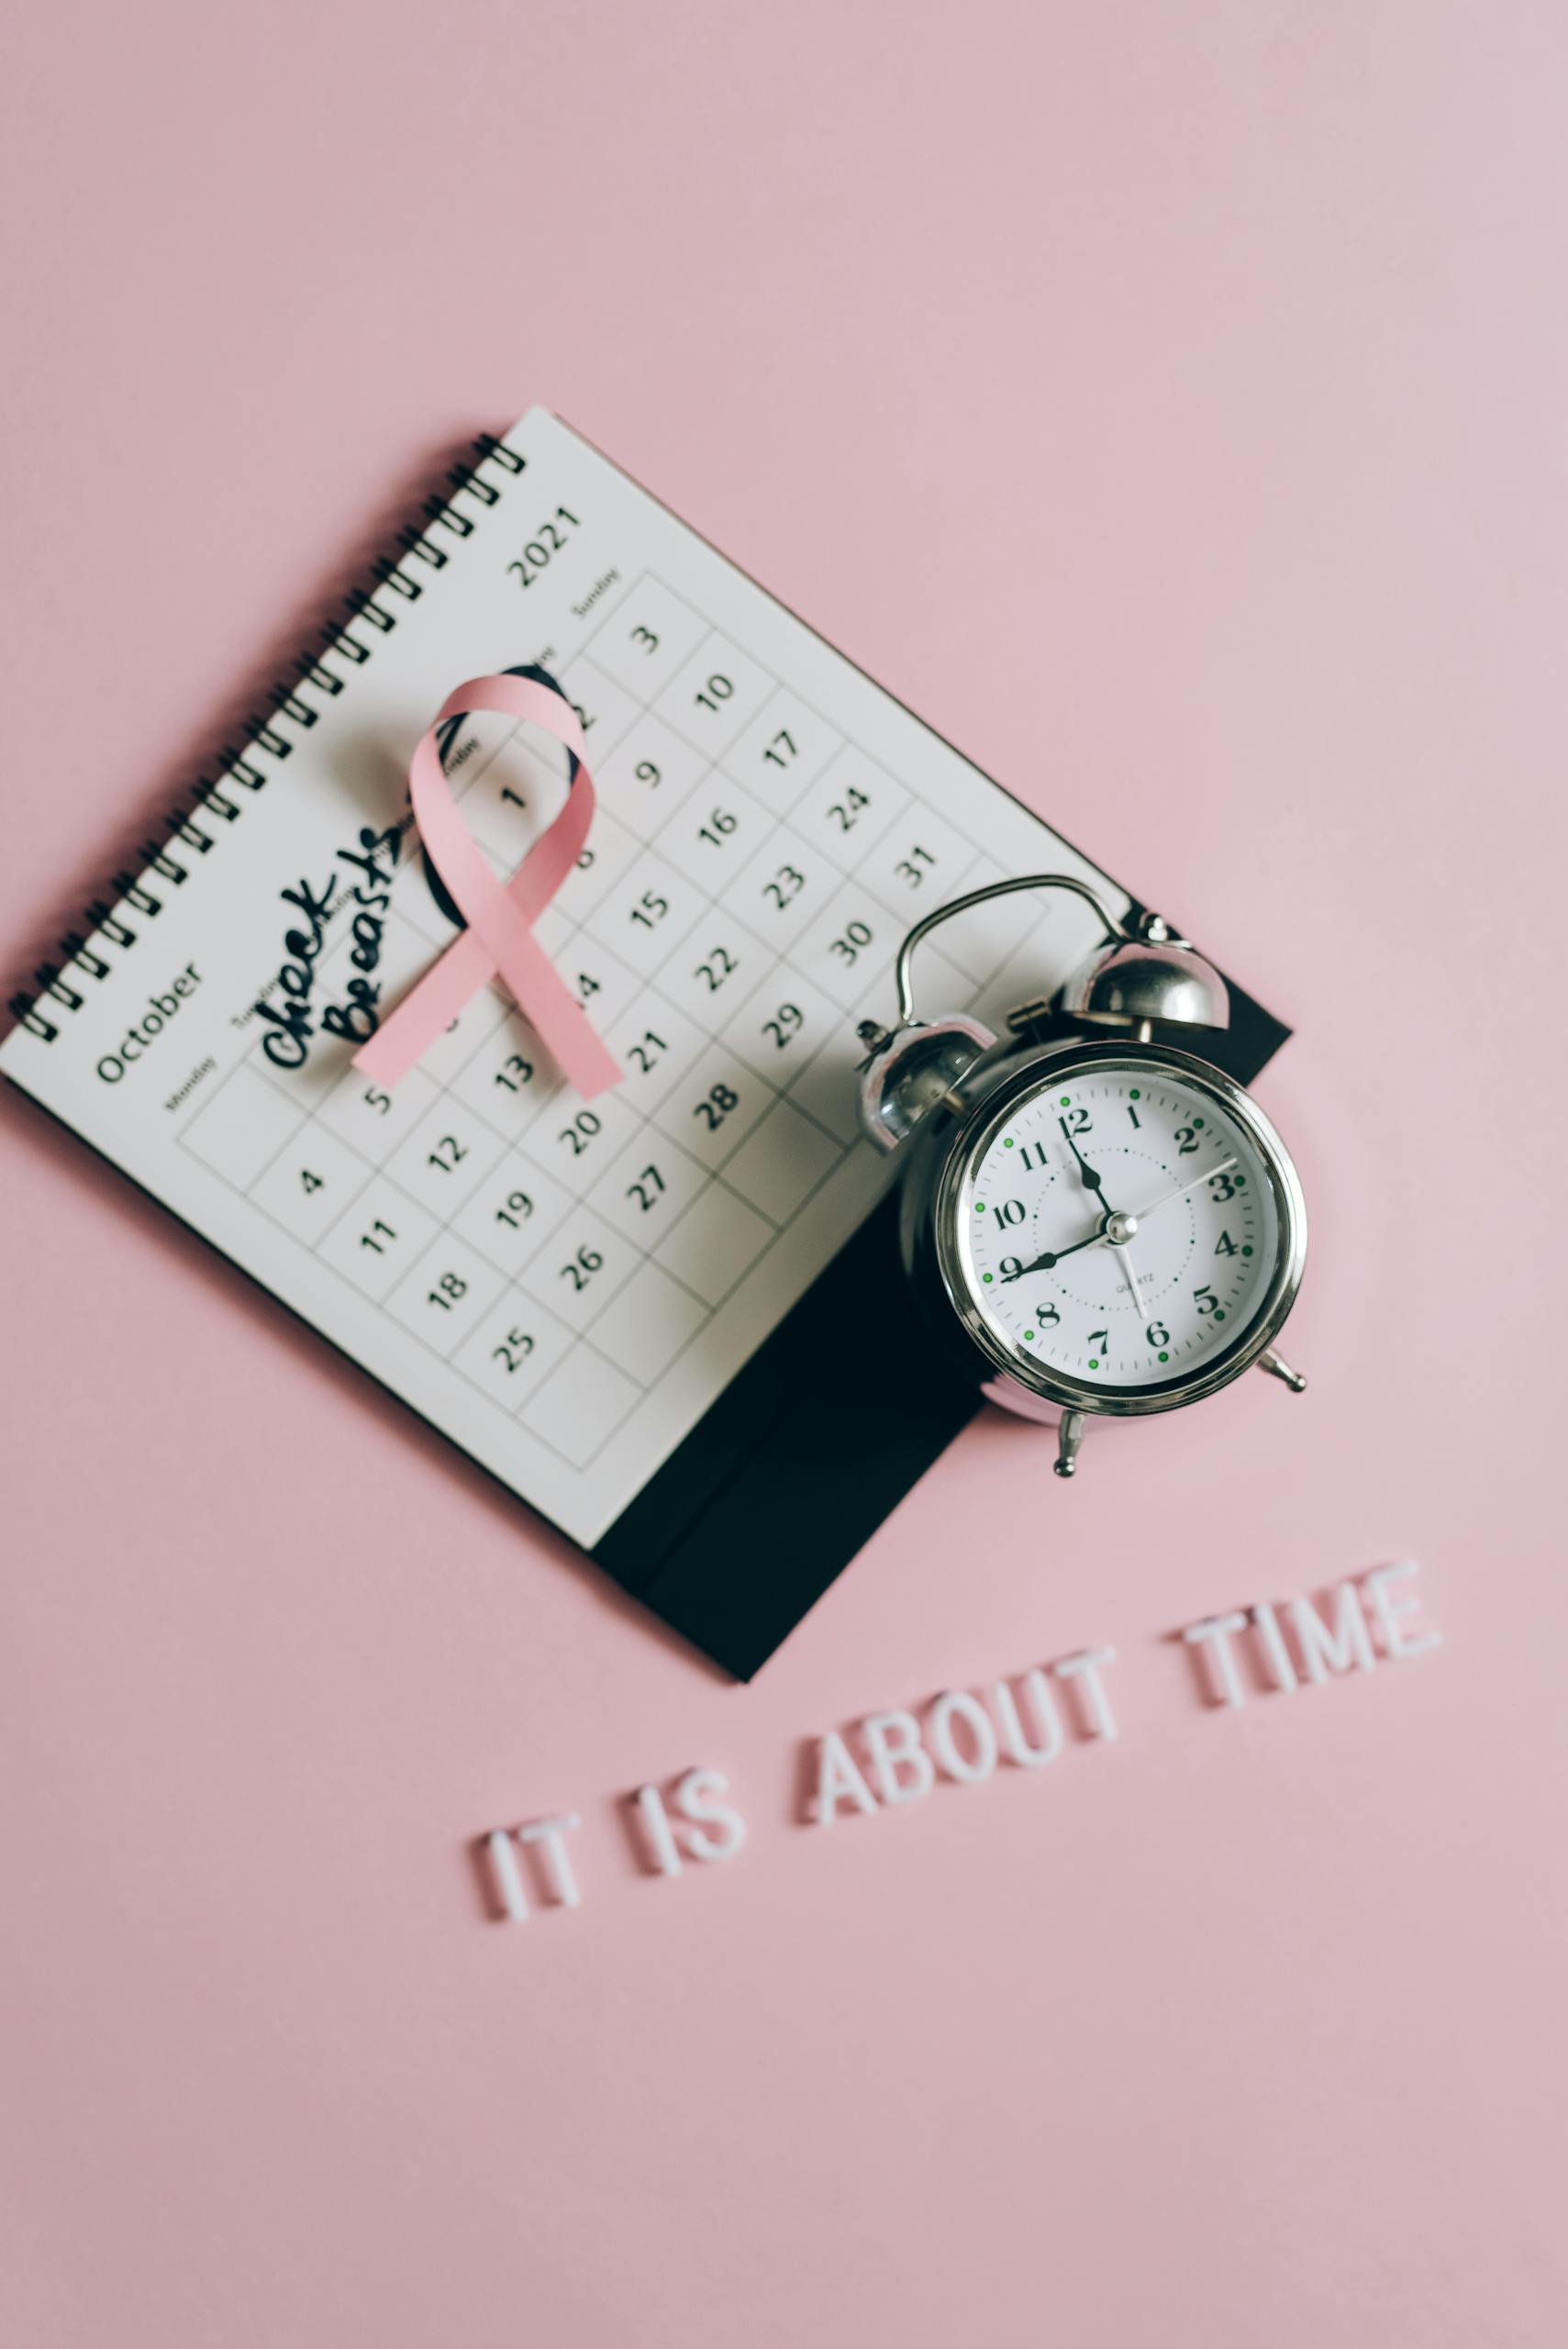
(1336, 1646)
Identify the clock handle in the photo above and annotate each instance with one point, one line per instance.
(1155, 928)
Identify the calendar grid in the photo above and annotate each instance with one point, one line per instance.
(558, 1256)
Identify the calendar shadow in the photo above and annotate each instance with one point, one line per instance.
(326, 605)
(71, 1164)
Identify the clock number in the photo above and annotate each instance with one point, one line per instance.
(1221, 1185)
(1186, 1141)
(1081, 1123)
(1157, 1334)
(1205, 1299)
(1012, 1268)
(1032, 1154)
(1133, 1115)
(1100, 1338)
(1225, 1245)
(514, 1349)
(1048, 1317)
(1010, 1211)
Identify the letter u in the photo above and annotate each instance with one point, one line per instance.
(1047, 1719)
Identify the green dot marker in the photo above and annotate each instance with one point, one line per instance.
(1198, 1121)
(979, 1207)
(1246, 1251)
(1240, 1182)
(1164, 1357)
(1134, 1094)
(1067, 1100)
(985, 1277)
(1007, 1142)
(1028, 1337)
(1219, 1317)
(1093, 1361)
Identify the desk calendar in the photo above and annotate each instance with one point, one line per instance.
(572, 1292)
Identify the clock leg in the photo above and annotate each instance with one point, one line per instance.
(1070, 1436)
(1277, 1367)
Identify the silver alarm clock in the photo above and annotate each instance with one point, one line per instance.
(1102, 1224)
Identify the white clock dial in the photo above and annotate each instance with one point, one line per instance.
(1120, 1228)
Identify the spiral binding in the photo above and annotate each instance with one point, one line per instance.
(321, 668)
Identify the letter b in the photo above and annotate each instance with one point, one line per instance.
(900, 1763)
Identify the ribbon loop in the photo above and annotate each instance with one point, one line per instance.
(499, 938)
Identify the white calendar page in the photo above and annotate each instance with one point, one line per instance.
(563, 1287)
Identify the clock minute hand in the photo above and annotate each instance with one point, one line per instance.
(1208, 1176)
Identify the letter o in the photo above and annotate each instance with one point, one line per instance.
(968, 1769)
(111, 1068)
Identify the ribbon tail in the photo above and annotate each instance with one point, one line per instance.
(426, 1011)
(564, 1027)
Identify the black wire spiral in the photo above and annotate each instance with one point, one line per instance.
(322, 668)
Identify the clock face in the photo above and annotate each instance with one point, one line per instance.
(1120, 1228)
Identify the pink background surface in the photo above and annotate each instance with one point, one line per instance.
(1169, 402)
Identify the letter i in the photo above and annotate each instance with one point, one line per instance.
(506, 1875)
(1276, 1655)
(656, 1828)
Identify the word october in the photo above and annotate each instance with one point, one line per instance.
(140, 1036)
(1301, 1643)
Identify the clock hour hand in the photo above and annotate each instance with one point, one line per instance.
(1053, 1257)
(1091, 1180)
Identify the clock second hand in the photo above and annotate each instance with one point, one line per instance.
(1224, 1167)
(1124, 1258)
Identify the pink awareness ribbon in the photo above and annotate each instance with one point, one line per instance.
(499, 938)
